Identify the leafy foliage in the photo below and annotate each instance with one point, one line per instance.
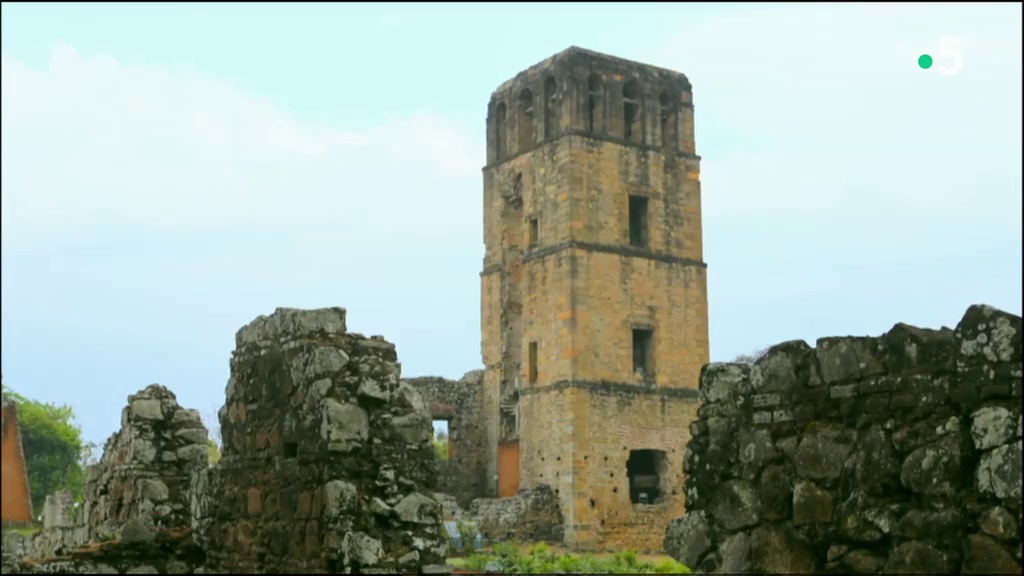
(441, 445)
(55, 453)
(214, 451)
(541, 559)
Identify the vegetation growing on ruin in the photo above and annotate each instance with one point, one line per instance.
(441, 445)
(214, 451)
(55, 452)
(750, 358)
(542, 559)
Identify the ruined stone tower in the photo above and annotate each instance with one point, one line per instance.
(594, 292)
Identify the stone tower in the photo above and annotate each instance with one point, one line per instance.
(594, 292)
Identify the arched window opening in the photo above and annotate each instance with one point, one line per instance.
(668, 121)
(550, 107)
(500, 115)
(525, 119)
(631, 111)
(593, 101)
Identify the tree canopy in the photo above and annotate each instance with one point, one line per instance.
(214, 451)
(55, 451)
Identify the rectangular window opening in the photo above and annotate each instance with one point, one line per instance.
(643, 360)
(532, 374)
(534, 230)
(442, 439)
(638, 221)
(291, 449)
(645, 469)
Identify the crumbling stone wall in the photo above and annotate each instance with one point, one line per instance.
(530, 516)
(136, 511)
(158, 552)
(146, 468)
(459, 402)
(327, 462)
(898, 454)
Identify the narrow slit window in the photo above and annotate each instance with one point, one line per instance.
(500, 116)
(442, 439)
(643, 361)
(668, 121)
(525, 137)
(631, 100)
(550, 107)
(593, 102)
(534, 231)
(638, 221)
(532, 364)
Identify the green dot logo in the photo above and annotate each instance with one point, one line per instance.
(924, 61)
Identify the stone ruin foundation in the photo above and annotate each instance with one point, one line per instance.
(893, 454)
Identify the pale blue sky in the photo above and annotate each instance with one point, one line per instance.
(170, 172)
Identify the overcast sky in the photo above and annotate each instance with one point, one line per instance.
(170, 172)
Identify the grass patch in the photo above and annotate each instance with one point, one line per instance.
(24, 530)
(542, 559)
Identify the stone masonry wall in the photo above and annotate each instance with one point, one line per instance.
(136, 511)
(463, 475)
(529, 516)
(900, 453)
(327, 460)
(145, 471)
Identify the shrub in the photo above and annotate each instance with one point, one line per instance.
(541, 559)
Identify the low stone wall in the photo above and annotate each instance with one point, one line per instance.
(157, 552)
(896, 454)
(530, 516)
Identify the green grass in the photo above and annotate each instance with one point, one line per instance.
(541, 559)
(24, 530)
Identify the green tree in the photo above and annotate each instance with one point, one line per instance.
(441, 445)
(214, 451)
(54, 449)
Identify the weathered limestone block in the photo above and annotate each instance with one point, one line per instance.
(738, 506)
(821, 453)
(999, 472)
(688, 538)
(935, 469)
(993, 426)
(876, 464)
(893, 454)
